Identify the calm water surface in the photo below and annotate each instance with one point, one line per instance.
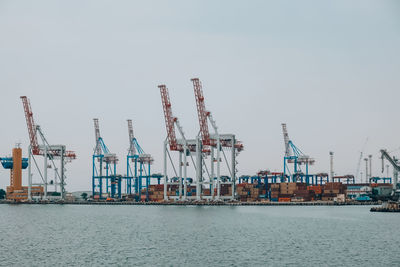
(40, 235)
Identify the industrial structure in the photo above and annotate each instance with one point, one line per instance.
(294, 155)
(211, 144)
(15, 191)
(141, 166)
(184, 148)
(103, 159)
(396, 169)
(211, 156)
(49, 153)
(214, 186)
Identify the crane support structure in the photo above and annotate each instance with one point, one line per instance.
(210, 143)
(396, 168)
(50, 153)
(203, 145)
(103, 159)
(141, 166)
(294, 155)
(184, 147)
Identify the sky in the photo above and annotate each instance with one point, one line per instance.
(328, 69)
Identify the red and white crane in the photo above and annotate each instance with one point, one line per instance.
(183, 146)
(49, 152)
(32, 131)
(204, 116)
(215, 141)
(170, 120)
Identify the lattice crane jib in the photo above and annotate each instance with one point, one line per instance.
(286, 140)
(97, 150)
(31, 126)
(169, 119)
(391, 160)
(33, 133)
(201, 112)
(132, 149)
(204, 116)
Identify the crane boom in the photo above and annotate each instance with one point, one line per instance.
(97, 136)
(169, 119)
(390, 159)
(132, 149)
(31, 126)
(201, 112)
(204, 116)
(286, 140)
(32, 131)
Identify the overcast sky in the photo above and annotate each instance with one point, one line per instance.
(329, 69)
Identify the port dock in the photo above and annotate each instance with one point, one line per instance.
(195, 203)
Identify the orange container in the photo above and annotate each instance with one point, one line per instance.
(284, 199)
(316, 188)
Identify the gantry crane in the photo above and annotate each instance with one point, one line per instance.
(217, 142)
(48, 152)
(396, 169)
(184, 146)
(103, 159)
(142, 163)
(294, 155)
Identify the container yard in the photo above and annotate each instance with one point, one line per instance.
(211, 155)
(199, 133)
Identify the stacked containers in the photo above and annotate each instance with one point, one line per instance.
(156, 192)
(275, 192)
(331, 190)
(248, 192)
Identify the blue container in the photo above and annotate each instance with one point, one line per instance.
(274, 199)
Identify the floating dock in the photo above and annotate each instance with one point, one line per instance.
(387, 207)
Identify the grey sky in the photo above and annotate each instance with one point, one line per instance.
(329, 69)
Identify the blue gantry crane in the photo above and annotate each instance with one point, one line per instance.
(294, 155)
(104, 160)
(141, 166)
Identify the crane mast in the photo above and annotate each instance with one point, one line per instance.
(202, 113)
(396, 169)
(31, 126)
(294, 155)
(48, 152)
(204, 116)
(97, 136)
(32, 131)
(132, 149)
(169, 119)
(391, 160)
(286, 140)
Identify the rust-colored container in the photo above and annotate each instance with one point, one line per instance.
(284, 199)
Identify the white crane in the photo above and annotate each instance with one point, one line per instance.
(396, 169)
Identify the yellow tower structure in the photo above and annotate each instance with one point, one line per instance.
(16, 176)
